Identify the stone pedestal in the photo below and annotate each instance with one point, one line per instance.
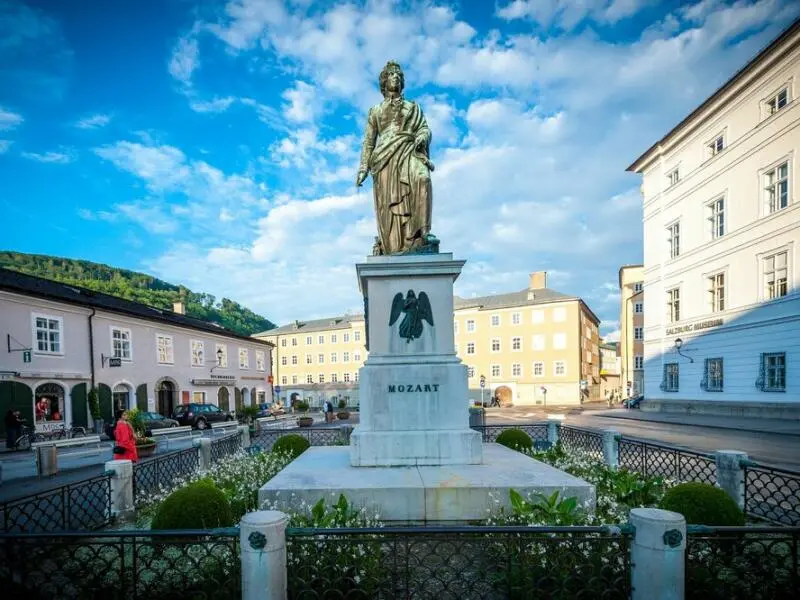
(413, 390)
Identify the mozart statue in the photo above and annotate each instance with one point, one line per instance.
(395, 151)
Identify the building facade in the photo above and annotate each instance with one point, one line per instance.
(721, 236)
(531, 347)
(63, 340)
(610, 382)
(631, 329)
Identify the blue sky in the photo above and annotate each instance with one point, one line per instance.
(216, 144)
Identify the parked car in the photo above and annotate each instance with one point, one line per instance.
(152, 420)
(633, 401)
(200, 416)
(269, 410)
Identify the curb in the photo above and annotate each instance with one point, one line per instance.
(709, 426)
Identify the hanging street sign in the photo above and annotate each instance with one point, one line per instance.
(26, 356)
(483, 381)
(114, 362)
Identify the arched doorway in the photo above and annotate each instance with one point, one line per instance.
(166, 397)
(15, 396)
(253, 397)
(224, 399)
(49, 408)
(294, 399)
(121, 395)
(504, 395)
(237, 396)
(106, 402)
(245, 396)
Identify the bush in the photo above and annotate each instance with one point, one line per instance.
(703, 504)
(200, 505)
(302, 406)
(342, 403)
(293, 444)
(516, 439)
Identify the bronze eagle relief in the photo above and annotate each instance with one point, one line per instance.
(416, 308)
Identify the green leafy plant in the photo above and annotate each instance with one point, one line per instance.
(94, 403)
(136, 419)
(249, 414)
(551, 510)
(199, 505)
(516, 439)
(342, 403)
(292, 444)
(703, 504)
(302, 406)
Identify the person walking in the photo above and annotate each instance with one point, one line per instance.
(125, 439)
(13, 423)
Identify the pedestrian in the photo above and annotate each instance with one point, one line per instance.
(125, 439)
(13, 423)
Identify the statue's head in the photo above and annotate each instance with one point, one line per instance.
(391, 77)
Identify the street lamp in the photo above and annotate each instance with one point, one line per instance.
(678, 345)
(219, 360)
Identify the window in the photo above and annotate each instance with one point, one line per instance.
(716, 218)
(716, 292)
(495, 370)
(637, 287)
(516, 318)
(294, 379)
(121, 343)
(294, 341)
(221, 352)
(346, 338)
(334, 357)
(638, 307)
(516, 344)
(674, 240)
(309, 378)
(559, 341)
(355, 377)
(283, 342)
(777, 102)
(588, 332)
(309, 340)
(638, 333)
(357, 356)
(198, 353)
(294, 359)
(357, 336)
(321, 378)
(309, 359)
(321, 339)
(495, 344)
(495, 320)
(776, 187)
(284, 380)
(671, 378)
(261, 363)
(244, 358)
(333, 338)
(775, 275)
(346, 377)
(516, 370)
(673, 177)
(334, 378)
(470, 372)
(538, 369)
(559, 314)
(284, 361)
(470, 325)
(199, 397)
(538, 342)
(321, 359)
(674, 305)
(537, 316)
(773, 369)
(712, 376)
(165, 355)
(560, 367)
(715, 146)
(48, 334)
(346, 357)
(638, 362)
(470, 347)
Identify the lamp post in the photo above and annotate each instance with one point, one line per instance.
(219, 360)
(678, 345)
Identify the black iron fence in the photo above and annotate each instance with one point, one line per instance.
(333, 436)
(653, 459)
(459, 562)
(226, 446)
(585, 440)
(772, 493)
(489, 433)
(82, 505)
(124, 565)
(161, 471)
(724, 563)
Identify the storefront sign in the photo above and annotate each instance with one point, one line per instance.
(695, 326)
(221, 380)
(114, 362)
(26, 356)
(7, 375)
(411, 388)
(47, 426)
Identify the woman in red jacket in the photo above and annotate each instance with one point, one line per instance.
(125, 440)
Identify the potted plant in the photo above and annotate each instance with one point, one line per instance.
(145, 445)
(94, 409)
(304, 421)
(249, 415)
(343, 413)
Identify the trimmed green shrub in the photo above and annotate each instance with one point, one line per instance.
(199, 505)
(703, 504)
(516, 439)
(292, 443)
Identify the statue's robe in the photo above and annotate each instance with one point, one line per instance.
(400, 173)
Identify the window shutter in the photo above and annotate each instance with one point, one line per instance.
(760, 381)
(704, 381)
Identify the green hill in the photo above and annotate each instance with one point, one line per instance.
(137, 287)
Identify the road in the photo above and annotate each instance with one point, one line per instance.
(773, 449)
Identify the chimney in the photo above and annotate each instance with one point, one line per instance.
(538, 280)
(179, 308)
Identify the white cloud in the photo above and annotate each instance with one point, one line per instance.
(303, 103)
(184, 60)
(60, 158)
(9, 120)
(93, 122)
(97, 215)
(5, 145)
(216, 105)
(152, 217)
(162, 167)
(566, 14)
(611, 336)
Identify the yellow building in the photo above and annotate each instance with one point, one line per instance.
(532, 346)
(631, 330)
(609, 370)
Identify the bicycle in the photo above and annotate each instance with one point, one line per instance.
(31, 436)
(28, 437)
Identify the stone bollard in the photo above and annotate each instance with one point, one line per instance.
(245, 431)
(730, 474)
(262, 538)
(553, 426)
(121, 487)
(346, 431)
(203, 446)
(657, 554)
(611, 448)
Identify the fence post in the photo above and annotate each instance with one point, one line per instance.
(730, 474)
(245, 431)
(553, 427)
(611, 448)
(262, 539)
(346, 431)
(203, 446)
(657, 554)
(121, 487)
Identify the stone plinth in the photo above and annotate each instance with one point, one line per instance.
(420, 493)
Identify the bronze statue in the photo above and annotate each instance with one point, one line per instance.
(395, 151)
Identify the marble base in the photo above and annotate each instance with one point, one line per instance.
(415, 448)
(447, 493)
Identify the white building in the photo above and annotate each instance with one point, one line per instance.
(721, 237)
